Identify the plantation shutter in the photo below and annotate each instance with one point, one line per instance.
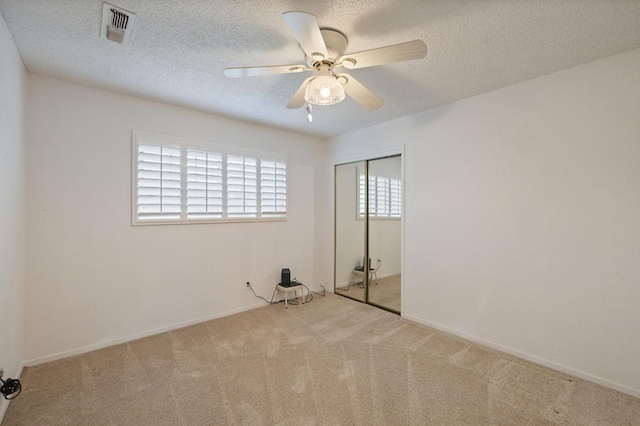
(158, 172)
(204, 184)
(242, 186)
(372, 195)
(382, 197)
(273, 187)
(385, 196)
(179, 180)
(361, 195)
(396, 198)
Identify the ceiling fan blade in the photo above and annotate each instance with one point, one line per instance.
(298, 99)
(305, 28)
(269, 70)
(361, 94)
(416, 49)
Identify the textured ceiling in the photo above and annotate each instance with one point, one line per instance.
(178, 50)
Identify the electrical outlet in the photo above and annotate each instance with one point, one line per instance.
(248, 284)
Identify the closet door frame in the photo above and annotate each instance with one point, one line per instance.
(366, 157)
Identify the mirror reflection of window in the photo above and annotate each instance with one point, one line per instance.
(385, 196)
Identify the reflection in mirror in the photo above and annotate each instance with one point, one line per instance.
(385, 214)
(350, 231)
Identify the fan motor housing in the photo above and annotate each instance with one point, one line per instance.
(336, 43)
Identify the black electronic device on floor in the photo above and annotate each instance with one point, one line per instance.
(285, 281)
(361, 267)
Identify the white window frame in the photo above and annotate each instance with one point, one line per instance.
(186, 145)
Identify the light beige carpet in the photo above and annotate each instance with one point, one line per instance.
(384, 292)
(330, 362)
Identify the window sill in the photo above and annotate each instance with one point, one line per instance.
(151, 222)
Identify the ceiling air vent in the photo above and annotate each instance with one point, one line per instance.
(116, 23)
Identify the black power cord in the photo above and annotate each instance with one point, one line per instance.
(11, 388)
(273, 296)
(309, 292)
(324, 291)
(308, 299)
(270, 302)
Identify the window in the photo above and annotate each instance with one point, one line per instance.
(395, 200)
(204, 184)
(385, 197)
(185, 181)
(273, 188)
(242, 186)
(158, 182)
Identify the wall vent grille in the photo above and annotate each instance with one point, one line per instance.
(116, 23)
(119, 19)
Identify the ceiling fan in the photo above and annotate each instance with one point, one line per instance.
(324, 50)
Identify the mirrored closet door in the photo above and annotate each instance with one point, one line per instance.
(368, 219)
(350, 232)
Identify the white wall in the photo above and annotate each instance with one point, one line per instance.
(522, 217)
(93, 279)
(323, 218)
(12, 206)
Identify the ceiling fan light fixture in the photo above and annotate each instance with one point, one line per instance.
(324, 49)
(324, 89)
(349, 63)
(317, 56)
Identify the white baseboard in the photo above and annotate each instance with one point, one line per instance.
(4, 405)
(112, 342)
(528, 357)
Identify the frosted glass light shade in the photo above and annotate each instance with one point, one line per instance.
(324, 90)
